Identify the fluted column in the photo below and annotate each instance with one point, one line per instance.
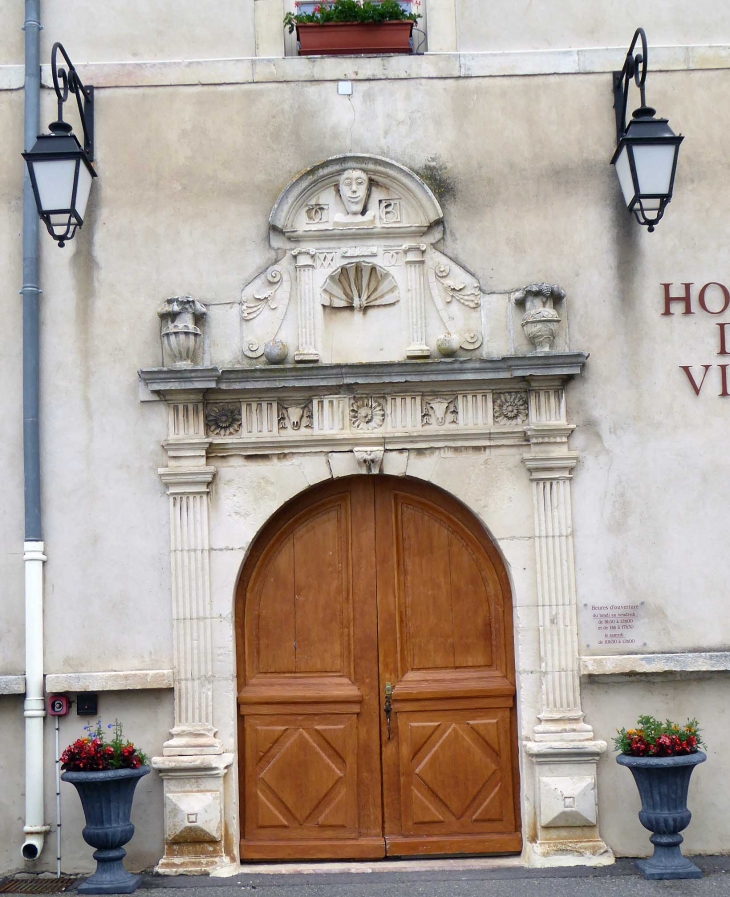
(563, 751)
(561, 715)
(193, 764)
(306, 306)
(191, 611)
(416, 275)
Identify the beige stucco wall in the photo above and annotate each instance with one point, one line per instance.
(226, 29)
(556, 24)
(679, 699)
(187, 179)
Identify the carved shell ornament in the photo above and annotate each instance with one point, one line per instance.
(359, 285)
(366, 413)
(223, 419)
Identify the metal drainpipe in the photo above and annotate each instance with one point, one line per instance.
(33, 557)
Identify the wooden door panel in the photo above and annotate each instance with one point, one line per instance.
(449, 769)
(456, 776)
(300, 596)
(309, 700)
(363, 582)
(301, 777)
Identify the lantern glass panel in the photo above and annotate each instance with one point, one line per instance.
(55, 181)
(83, 190)
(654, 165)
(623, 170)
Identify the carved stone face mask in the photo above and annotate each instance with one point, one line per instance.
(354, 185)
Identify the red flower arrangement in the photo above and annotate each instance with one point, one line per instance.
(652, 738)
(93, 753)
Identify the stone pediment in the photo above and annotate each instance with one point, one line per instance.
(381, 199)
(360, 279)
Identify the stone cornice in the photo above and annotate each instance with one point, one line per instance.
(690, 662)
(114, 680)
(12, 685)
(274, 69)
(326, 376)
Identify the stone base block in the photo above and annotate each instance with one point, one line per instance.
(566, 805)
(547, 854)
(194, 813)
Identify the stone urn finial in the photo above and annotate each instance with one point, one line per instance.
(541, 320)
(180, 333)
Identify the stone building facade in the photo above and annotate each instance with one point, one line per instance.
(347, 308)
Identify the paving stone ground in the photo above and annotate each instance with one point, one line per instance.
(619, 880)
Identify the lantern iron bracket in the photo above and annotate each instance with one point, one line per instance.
(635, 66)
(68, 81)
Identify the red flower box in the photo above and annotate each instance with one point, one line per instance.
(352, 38)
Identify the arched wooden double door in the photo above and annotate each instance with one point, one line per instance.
(367, 585)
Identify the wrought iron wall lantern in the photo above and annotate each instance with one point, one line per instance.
(647, 149)
(60, 169)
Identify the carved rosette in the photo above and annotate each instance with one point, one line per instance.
(510, 408)
(223, 419)
(366, 413)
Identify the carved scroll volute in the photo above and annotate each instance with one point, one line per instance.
(457, 296)
(264, 303)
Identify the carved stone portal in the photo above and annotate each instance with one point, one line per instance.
(358, 232)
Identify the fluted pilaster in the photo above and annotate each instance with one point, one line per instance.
(191, 610)
(306, 306)
(416, 274)
(561, 714)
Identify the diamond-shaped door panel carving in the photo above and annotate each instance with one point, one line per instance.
(455, 770)
(301, 776)
(305, 778)
(454, 781)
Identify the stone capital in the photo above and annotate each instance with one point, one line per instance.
(551, 465)
(187, 480)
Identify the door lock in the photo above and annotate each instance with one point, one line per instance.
(388, 706)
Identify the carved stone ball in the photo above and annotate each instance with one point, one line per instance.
(275, 351)
(448, 344)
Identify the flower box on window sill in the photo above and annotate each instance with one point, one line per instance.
(353, 38)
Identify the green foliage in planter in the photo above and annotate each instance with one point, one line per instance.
(653, 738)
(351, 11)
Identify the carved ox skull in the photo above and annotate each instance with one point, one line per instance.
(438, 408)
(298, 416)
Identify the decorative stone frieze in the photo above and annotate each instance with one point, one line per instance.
(223, 418)
(510, 408)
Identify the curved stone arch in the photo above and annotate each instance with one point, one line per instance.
(428, 474)
(324, 175)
